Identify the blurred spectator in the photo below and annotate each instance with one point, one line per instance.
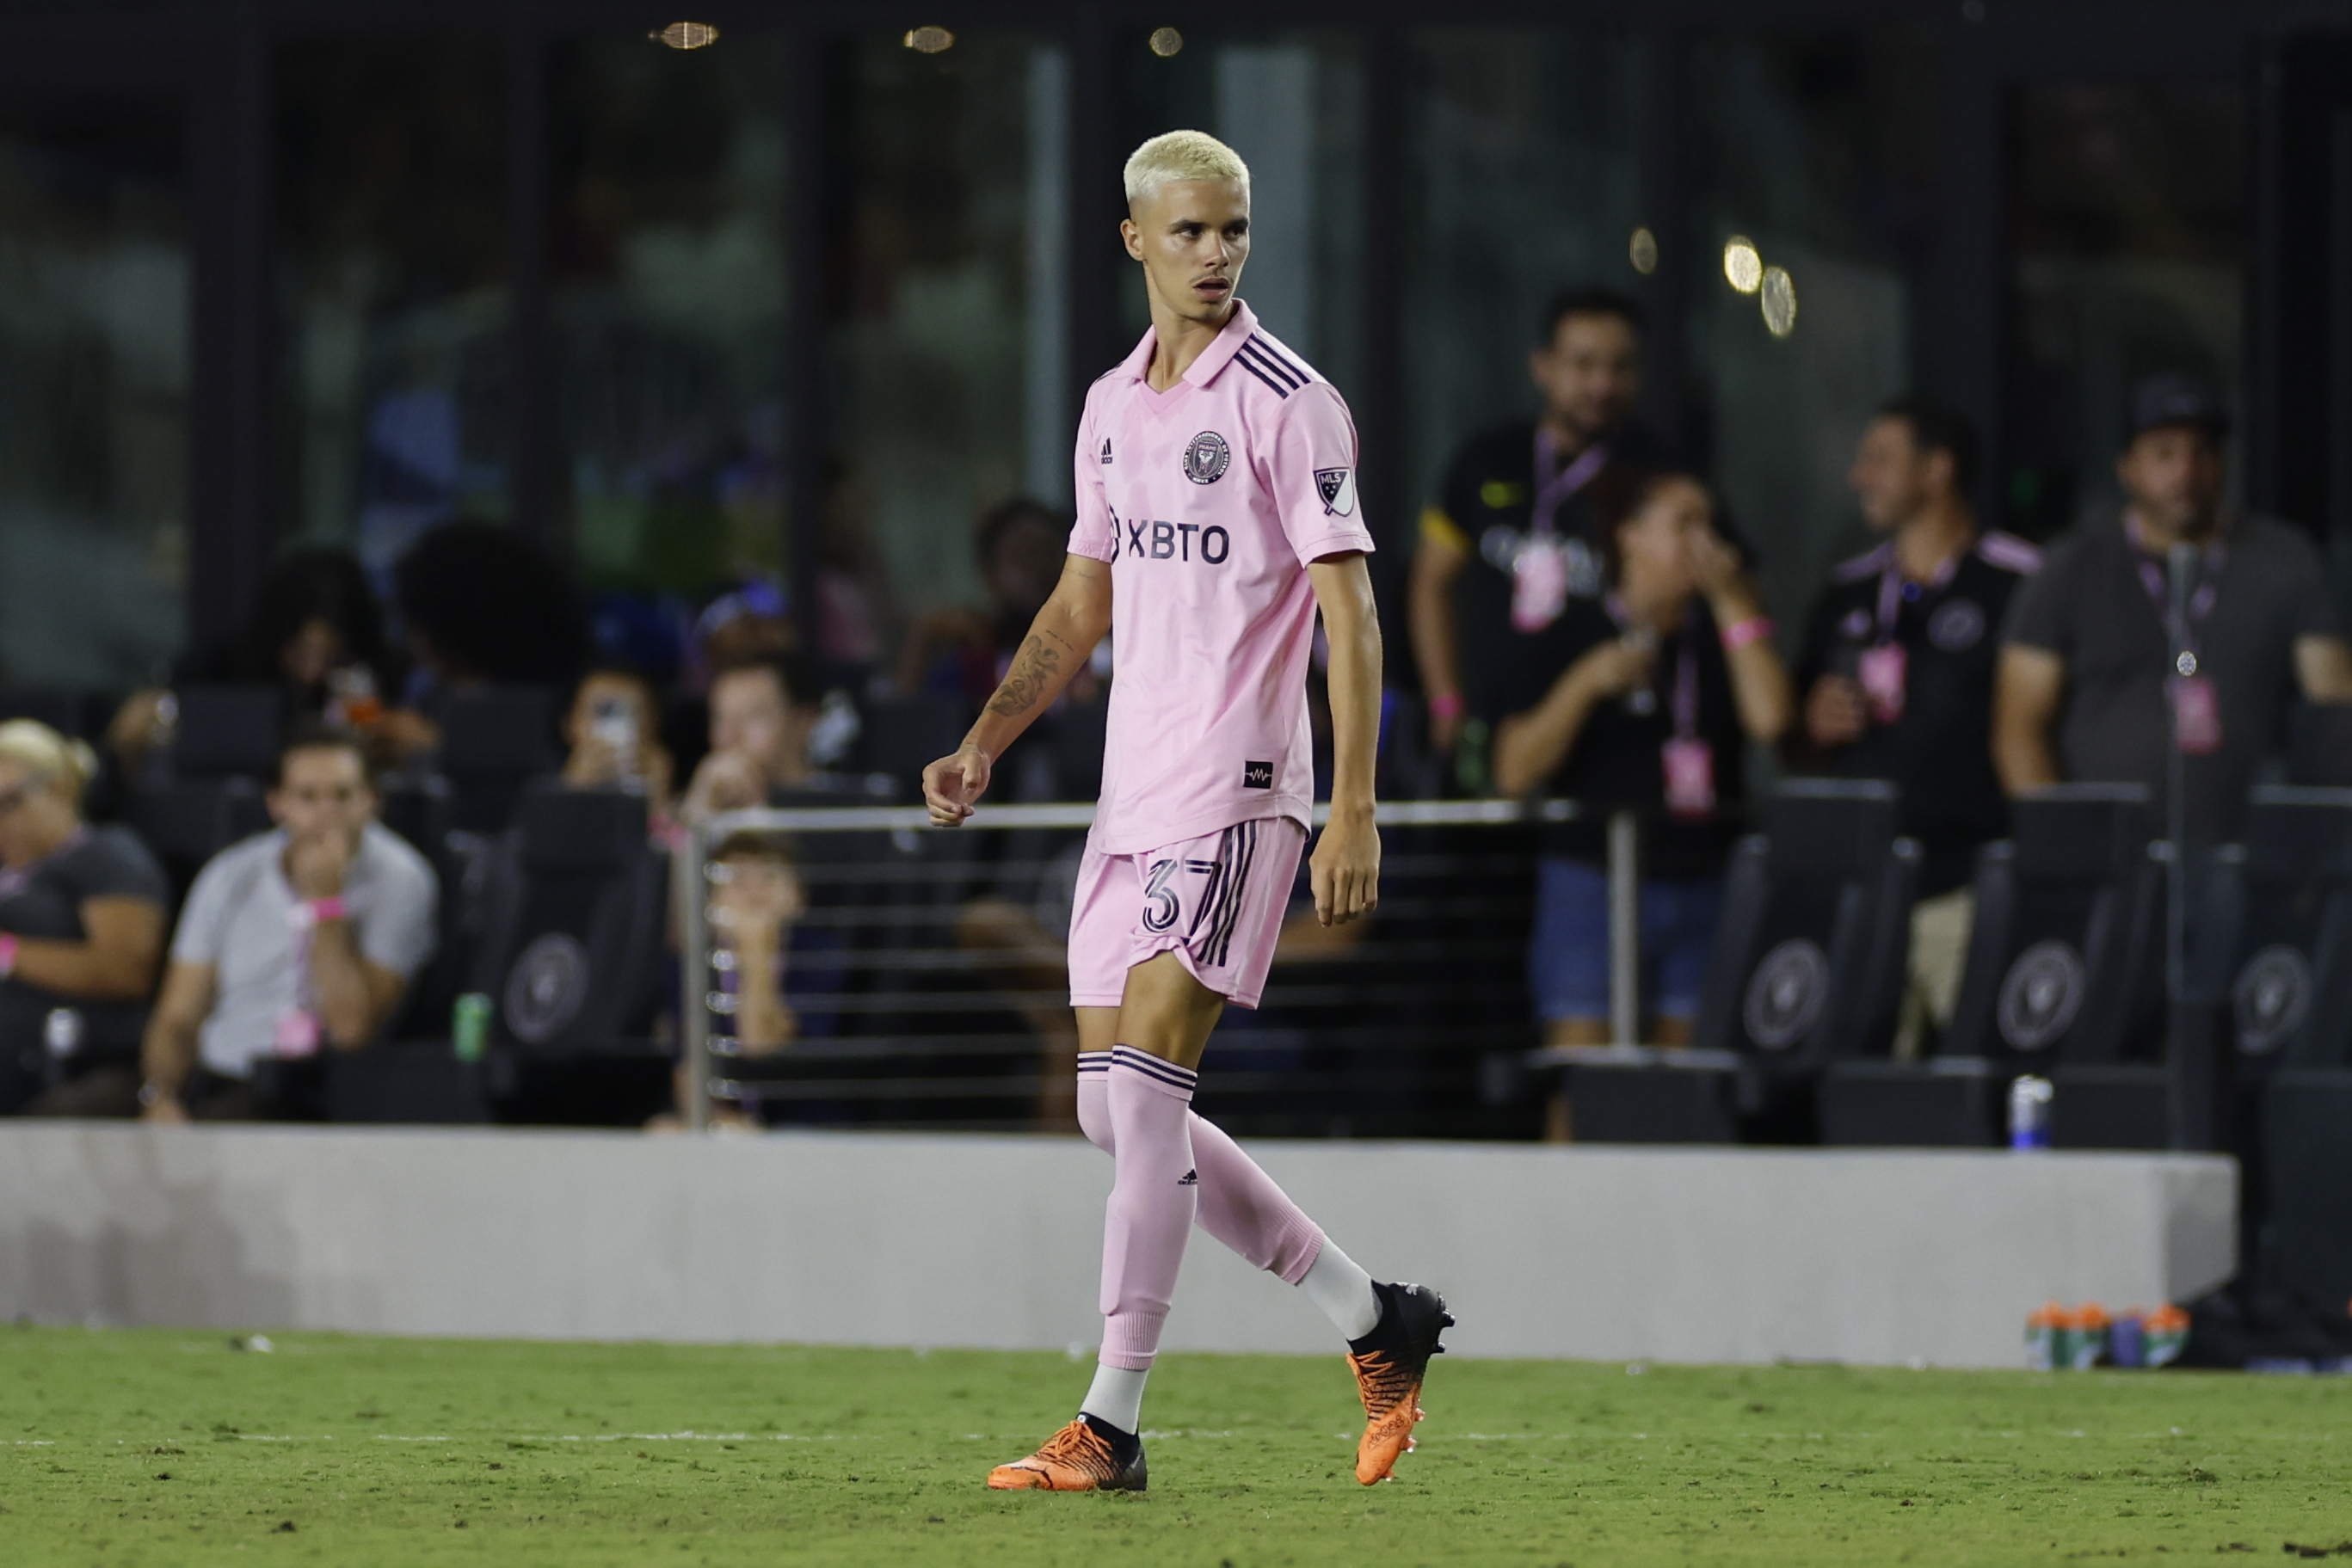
(81, 933)
(613, 731)
(1646, 700)
(2089, 689)
(746, 622)
(481, 605)
(854, 608)
(756, 899)
(1898, 672)
(1021, 545)
(295, 939)
(316, 633)
(1511, 537)
(762, 713)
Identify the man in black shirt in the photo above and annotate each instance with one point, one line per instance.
(1898, 672)
(2090, 689)
(1510, 538)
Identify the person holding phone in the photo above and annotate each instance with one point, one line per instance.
(1645, 697)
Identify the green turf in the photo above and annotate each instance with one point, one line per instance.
(166, 1447)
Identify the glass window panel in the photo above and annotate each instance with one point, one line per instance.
(2129, 222)
(1819, 147)
(1525, 179)
(668, 294)
(1292, 105)
(93, 393)
(948, 344)
(391, 229)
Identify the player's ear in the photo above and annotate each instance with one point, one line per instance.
(1131, 237)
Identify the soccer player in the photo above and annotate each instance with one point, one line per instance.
(1217, 512)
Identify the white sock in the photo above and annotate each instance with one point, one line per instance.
(1116, 1397)
(1343, 1290)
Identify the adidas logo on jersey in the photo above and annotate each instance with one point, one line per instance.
(1106, 449)
(1189, 1179)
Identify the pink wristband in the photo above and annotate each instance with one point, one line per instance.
(7, 954)
(325, 909)
(1447, 707)
(1739, 633)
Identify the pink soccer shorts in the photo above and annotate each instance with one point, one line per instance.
(1216, 902)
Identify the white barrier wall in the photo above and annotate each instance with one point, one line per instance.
(1695, 1255)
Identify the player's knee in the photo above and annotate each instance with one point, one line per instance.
(1094, 1120)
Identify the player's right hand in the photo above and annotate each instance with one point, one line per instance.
(953, 784)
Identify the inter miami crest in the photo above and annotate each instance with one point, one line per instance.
(1338, 489)
(1205, 459)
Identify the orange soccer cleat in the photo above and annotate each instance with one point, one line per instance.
(1085, 1456)
(1390, 1364)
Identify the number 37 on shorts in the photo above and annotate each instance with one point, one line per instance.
(1215, 901)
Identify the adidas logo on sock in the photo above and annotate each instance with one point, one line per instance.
(1189, 1179)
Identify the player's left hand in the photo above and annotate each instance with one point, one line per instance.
(1345, 869)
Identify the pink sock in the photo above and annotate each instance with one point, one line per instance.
(1239, 1204)
(1152, 1201)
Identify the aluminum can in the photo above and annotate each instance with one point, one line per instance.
(469, 1026)
(2029, 1113)
(61, 1032)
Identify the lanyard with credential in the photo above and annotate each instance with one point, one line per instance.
(2196, 703)
(1886, 664)
(2214, 556)
(1541, 571)
(1555, 485)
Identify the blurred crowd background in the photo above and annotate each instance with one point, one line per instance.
(500, 430)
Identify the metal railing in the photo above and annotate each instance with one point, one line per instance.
(1444, 894)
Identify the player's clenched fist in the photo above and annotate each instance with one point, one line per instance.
(953, 784)
(1345, 869)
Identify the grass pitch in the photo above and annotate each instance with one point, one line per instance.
(171, 1448)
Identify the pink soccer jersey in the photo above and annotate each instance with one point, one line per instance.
(1208, 500)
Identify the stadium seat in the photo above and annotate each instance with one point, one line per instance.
(79, 713)
(1807, 970)
(495, 741)
(901, 737)
(572, 926)
(415, 1083)
(186, 822)
(2065, 977)
(228, 732)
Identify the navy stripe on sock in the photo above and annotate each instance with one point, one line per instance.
(1153, 1067)
(1093, 1061)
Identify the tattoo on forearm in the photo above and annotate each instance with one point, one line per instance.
(1034, 669)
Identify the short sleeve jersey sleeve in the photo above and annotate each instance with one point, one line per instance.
(397, 931)
(2041, 614)
(205, 919)
(1308, 469)
(114, 864)
(2308, 610)
(1094, 535)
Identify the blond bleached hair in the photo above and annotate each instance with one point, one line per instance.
(1181, 155)
(47, 756)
